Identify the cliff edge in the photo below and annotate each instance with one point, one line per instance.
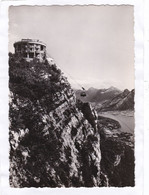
(54, 140)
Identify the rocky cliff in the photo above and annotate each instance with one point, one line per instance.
(54, 140)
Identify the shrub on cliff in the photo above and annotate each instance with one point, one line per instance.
(34, 79)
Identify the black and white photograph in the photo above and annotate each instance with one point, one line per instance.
(71, 96)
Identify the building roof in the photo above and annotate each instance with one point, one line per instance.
(36, 41)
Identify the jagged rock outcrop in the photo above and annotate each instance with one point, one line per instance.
(123, 101)
(54, 140)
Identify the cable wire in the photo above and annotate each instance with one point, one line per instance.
(68, 74)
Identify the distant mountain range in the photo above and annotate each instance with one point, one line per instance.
(109, 99)
(123, 101)
(98, 95)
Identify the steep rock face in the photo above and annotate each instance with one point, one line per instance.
(54, 141)
(123, 101)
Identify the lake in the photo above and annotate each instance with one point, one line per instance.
(125, 118)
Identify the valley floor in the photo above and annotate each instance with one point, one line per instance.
(125, 118)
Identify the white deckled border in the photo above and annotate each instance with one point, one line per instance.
(4, 91)
(146, 96)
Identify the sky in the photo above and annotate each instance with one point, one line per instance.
(92, 45)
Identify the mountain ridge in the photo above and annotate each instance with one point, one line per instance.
(122, 101)
(98, 95)
(107, 98)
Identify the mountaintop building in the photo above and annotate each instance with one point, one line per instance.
(30, 49)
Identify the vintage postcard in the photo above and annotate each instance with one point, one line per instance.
(73, 110)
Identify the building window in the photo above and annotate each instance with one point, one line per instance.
(31, 55)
